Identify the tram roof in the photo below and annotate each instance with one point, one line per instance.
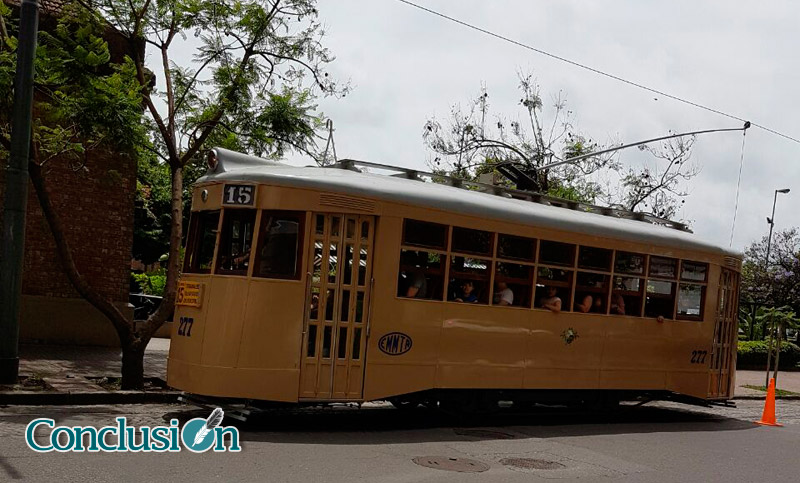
(233, 166)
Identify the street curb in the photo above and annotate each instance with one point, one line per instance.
(52, 398)
(761, 398)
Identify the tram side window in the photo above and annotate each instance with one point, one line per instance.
(660, 299)
(279, 253)
(512, 284)
(554, 285)
(469, 280)
(626, 297)
(202, 238)
(235, 242)
(591, 292)
(555, 253)
(421, 275)
(691, 296)
(424, 234)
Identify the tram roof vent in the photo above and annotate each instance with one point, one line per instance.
(423, 176)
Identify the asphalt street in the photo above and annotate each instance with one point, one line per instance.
(656, 442)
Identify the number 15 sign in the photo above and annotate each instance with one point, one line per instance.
(239, 195)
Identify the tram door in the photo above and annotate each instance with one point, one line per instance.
(334, 339)
(725, 335)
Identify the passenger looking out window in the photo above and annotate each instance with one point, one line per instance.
(467, 294)
(412, 280)
(585, 304)
(551, 301)
(503, 295)
(617, 304)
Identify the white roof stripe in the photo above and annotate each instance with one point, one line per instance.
(238, 167)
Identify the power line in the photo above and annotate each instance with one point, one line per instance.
(596, 71)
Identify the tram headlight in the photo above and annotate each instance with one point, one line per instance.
(211, 160)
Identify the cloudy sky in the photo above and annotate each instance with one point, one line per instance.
(739, 57)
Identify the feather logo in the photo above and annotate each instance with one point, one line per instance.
(212, 422)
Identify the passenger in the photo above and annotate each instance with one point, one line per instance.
(467, 293)
(416, 283)
(617, 304)
(585, 305)
(597, 307)
(503, 295)
(552, 301)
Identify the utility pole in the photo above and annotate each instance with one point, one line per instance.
(771, 221)
(16, 194)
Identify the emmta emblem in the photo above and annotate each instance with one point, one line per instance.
(395, 343)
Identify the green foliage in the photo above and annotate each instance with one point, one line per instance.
(776, 283)
(151, 283)
(753, 355)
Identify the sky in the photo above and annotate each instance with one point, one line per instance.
(406, 66)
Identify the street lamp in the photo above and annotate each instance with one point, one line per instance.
(771, 221)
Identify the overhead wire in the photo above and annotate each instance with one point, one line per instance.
(596, 71)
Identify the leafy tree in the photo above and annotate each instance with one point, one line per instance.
(250, 86)
(473, 142)
(775, 282)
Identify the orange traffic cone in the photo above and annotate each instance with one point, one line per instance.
(768, 416)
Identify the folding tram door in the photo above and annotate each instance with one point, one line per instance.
(337, 314)
(725, 336)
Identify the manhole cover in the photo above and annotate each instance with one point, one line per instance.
(484, 433)
(461, 465)
(531, 464)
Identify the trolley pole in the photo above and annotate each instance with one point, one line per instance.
(16, 194)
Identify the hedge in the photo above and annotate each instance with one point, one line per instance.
(752, 354)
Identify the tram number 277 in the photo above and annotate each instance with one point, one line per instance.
(699, 357)
(185, 327)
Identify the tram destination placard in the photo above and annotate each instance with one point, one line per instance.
(189, 294)
(239, 195)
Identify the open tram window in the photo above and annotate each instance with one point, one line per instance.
(235, 242)
(591, 292)
(421, 275)
(662, 267)
(512, 284)
(552, 284)
(280, 242)
(556, 253)
(629, 263)
(516, 248)
(626, 296)
(469, 280)
(200, 244)
(691, 297)
(476, 242)
(592, 258)
(425, 234)
(660, 298)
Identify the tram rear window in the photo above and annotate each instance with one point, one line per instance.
(200, 245)
(279, 248)
(235, 243)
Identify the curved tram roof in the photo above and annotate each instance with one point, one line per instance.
(232, 166)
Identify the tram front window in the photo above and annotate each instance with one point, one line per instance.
(280, 239)
(235, 243)
(202, 237)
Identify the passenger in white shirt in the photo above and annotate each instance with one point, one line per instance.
(503, 295)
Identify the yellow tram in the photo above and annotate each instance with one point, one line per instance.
(307, 284)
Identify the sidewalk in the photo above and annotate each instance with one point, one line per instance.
(787, 381)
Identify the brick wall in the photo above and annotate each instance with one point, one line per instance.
(96, 206)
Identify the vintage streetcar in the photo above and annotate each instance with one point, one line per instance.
(309, 285)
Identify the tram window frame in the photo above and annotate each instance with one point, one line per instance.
(434, 274)
(411, 225)
(564, 289)
(601, 292)
(692, 282)
(545, 245)
(605, 255)
(627, 296)
(194, 242)
(465, 240)
(502, 238)
(267, 216)
(638, 272)
(521, 287)
(480, 279)
(656, 296)
(230, 216)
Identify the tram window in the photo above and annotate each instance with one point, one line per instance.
(356, 343)
(280, 245)
(424, 234)
(513, 278)
(516, 247)
(629, 263)
(554, 282)
(472, 241)
(591, 292)
(341, 344)
(594, 259)
(660, 299)
(694, 271)
(663, 267)
(690, 301)
(313, 309)
(311, 351)
(421, 275)
(626, 297)
(469, 280)
(555, 253)
(235, 242)
(202, 238)
(326, 342)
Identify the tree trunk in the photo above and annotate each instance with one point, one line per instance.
(133, 365)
